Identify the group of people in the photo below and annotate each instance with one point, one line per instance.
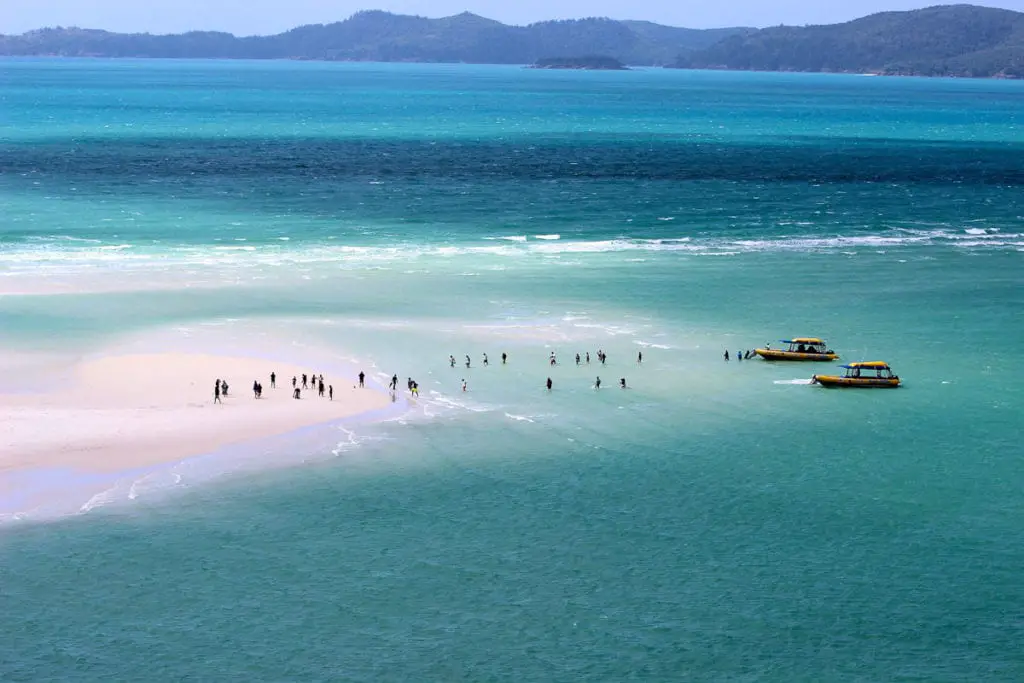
(741, 355)
(469, 362)
(316, 381)
(602, 357)
(220, 388)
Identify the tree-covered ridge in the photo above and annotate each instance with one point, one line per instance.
(951, 40)
(382, 36)
(589, 62)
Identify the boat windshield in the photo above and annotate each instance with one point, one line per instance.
(869, 373)
(806, 347)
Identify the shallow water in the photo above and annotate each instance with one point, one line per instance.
(714, 521)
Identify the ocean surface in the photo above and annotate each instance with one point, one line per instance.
(714, 522)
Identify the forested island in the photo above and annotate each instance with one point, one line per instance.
(589, 63)
(952, 40)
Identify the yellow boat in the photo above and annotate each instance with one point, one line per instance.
(801, 348)
(873, 374)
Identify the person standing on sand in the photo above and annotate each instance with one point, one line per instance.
(297, 393)
(216, 392)
(294, 381)
(321, 388)
(224, 387)
(330, 391)
(255, 389)
(305, 381)
(362, 379)
(273, 381)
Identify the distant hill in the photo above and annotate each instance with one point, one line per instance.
(382, 36)
(586, 63)
(951, 40)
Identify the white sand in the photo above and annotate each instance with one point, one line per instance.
(129, 411)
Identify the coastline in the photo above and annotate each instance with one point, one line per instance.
(122, 414)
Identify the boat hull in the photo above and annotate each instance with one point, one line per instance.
(856, 382)
(774, 354)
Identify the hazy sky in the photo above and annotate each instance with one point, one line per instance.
(246, 17)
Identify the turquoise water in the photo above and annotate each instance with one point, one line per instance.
(714, 522)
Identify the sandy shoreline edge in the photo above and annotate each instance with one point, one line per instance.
(131, 411)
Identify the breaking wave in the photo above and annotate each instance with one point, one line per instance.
(59, 251)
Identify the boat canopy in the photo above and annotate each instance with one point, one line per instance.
(802, 340)
(877, 364)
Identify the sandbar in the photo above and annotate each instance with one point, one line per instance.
(132, 410)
